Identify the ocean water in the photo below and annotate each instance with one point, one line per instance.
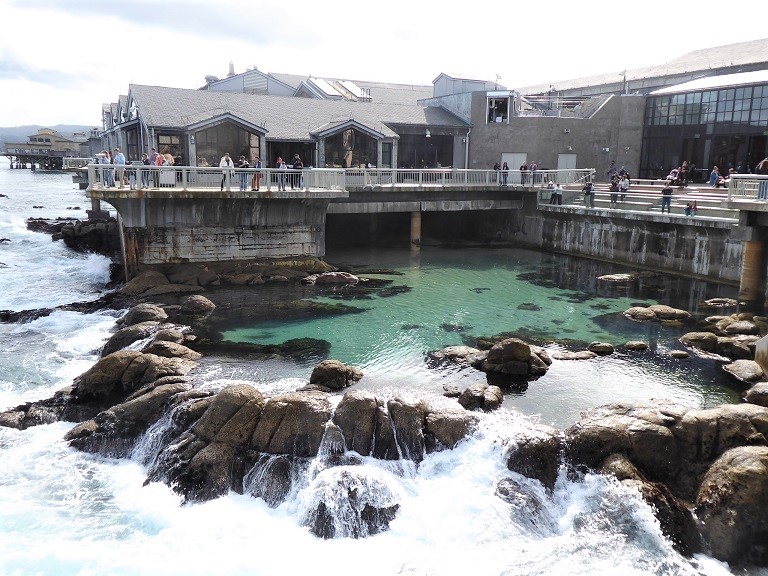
(63, 512)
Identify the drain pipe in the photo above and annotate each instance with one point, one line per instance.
(466, 150)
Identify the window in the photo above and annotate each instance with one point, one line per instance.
(386, 155)
(498, 110)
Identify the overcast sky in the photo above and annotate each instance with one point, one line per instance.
(60, 60)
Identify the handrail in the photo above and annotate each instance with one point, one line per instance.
(747, 187)
(141, 176)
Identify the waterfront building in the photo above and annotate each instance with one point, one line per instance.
(46, 147)
(707, 107)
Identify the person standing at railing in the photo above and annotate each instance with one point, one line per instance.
(296, 175)
(504, 173)
(243, 164)
(120, 163)
(104, 172)
(623, 186)
(256, 180)
(589, 195)
(226, 174)
(523, 173)
(145, 173)
(533, 168)
(556, 199)
(153, 162)
(762, 169)
(283, 168)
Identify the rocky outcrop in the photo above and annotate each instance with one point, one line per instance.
(481, 396)
(513, 359)
(657, 312)
(537, 455)
(334, 375)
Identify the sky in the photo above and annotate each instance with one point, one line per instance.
(61, 60)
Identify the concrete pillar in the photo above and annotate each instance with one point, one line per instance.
(751, 271)
(415, 230)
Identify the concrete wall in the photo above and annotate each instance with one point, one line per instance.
(617, 126)
(163, 230)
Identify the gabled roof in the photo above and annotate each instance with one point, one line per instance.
(285, 117)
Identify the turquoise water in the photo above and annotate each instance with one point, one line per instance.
(441, 297)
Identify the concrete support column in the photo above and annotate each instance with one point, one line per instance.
(752, 265)
(415, 230)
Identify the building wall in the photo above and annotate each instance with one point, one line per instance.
(617, 126)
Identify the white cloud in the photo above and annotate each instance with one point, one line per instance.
(60, 61)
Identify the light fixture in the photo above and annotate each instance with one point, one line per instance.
(428, 134)
(606, 149)
(626, 148)
(569, 148)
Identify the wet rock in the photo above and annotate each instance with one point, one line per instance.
(334, 375)
(197, 305)
(270, 479)
(720, 302)
(706, 341)
(573, 355)
(142, 282)
(448, 427)
(232, 416)
(731, 504)
(679, 354)
(143, 313)
(747, 371)
(617, 278)
(515, 360)
(636, 345)
(601, 348)
(356, 415)
(481, 397)
(656, 312)
(124, 337)
(331, 278)
(409, 418)
(292, 424)
(757, 394)
(536, 455)
(458, 355)
(350, 503)
(528, 506)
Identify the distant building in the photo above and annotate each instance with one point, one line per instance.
(47, 148)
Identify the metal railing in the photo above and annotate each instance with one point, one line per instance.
(141, 177)
(446, 177)
(747, 187)
(74, 163)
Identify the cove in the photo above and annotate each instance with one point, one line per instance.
(422, 302)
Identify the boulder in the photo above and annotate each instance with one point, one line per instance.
(757, 394)
(447, 427)
(334, 375)
(731, 504)
(169, 349)
(197, 305)
(331, 278)
(537, 455)
(481, 396)
(232, 416)
(408, 418)
(143, 282)
(143, 313)
(350, 502)
(573, 355)
(747, 371)
(130, 334)
(292, 423)
(601, 348)
(706, 341)
(356, 416)
(636, 345)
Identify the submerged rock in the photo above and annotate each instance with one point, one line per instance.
(334, 375)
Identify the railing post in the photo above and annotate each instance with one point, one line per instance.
(184, 178)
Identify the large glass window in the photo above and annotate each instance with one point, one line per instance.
(350, 148)
(213, 142)
(498, 110)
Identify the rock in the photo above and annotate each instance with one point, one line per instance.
(143, 313)
(481, 396)
(515, 360)
(664, 312)
(537, 455)
(740, 327)
(617, 278)
(601, 348)
(270, 479)
(171, 350)
(334, 375)
(757, 394)
(720, 302)
(356, 415)
(636, 345)
(142, 282)
(349, 502)
(408, 417)
(104, 379)
(731, 504)
(570, 355)
(528, 506)
(293, 424)
(448, 427)
(706, 341)
(128, 335)
(640, 313)
(331, 278)
(232, 416)
(745, 370)
(458, 355)
(197, 305)
(679, 354)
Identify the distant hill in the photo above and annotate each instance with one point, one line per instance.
(20, 133)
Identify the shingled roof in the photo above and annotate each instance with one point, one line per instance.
(283, 117)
